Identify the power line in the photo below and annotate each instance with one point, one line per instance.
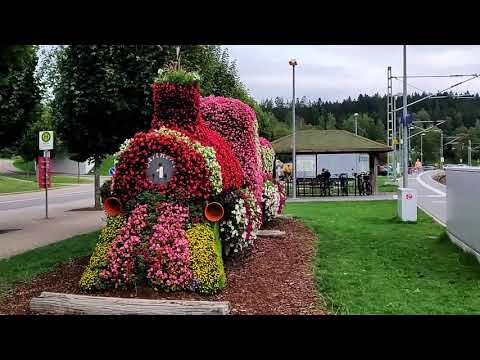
(435, 76)
(439, 92)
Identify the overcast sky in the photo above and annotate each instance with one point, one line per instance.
(336, 72)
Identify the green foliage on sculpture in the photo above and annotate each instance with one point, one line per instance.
(177, 76)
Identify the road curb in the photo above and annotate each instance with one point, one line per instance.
(432, 216)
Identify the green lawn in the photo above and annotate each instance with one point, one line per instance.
(23, 183)
(27, 166)
(368, 262)
(9, 185)
(32, 263)
(56, 179)
(382, 187)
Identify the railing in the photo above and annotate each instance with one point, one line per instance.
(337, 186)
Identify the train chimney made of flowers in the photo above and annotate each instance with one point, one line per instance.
(176, 99)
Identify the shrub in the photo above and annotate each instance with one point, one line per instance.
(206, 259)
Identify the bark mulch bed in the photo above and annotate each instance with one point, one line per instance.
(274, 278)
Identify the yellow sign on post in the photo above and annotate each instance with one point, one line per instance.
(45, 140)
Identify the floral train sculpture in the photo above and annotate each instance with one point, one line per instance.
(193, 189)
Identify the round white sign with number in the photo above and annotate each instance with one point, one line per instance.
(160, 168)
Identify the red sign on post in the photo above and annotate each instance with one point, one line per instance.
(41, 172)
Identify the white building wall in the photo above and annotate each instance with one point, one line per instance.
(343, 163)
(66, 166)
(463, 207)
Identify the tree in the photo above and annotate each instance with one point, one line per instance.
(28, 146)
(19, 92)
(423, 115)
(330, 122)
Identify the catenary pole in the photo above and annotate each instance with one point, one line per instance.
(405, 125)
(293, 63)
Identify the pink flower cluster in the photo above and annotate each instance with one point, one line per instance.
(166, 254)
(125, 248)
(236, 122)
(283, 196)
(265, 143)
(169, 256)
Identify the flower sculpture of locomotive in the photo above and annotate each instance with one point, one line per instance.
(194, 188)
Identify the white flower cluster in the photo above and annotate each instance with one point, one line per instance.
(234, 228)
(123, 147)
(208, 154)
(271, 200)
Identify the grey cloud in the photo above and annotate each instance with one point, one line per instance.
(336, 72)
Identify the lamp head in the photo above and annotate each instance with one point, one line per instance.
(293, 62)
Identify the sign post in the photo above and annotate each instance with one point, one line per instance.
(45, 143)
(46, 155)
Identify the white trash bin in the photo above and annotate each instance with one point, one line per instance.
(407, 204)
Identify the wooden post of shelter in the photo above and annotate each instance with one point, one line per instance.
(373, 164)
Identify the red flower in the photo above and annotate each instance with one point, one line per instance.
(130, 173)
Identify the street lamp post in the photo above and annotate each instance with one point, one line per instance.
(441, 146)
(469, 152)
(421, 147)
(293, 63)
(355, 116)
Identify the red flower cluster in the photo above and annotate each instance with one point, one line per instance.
(177, 107)
(236, 122)
(190, 180)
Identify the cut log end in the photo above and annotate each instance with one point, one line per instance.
(271, 233)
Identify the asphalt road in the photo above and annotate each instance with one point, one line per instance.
(17, 210)
(23, 225)
(432, 196)
(6, 167)
(57, 196)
